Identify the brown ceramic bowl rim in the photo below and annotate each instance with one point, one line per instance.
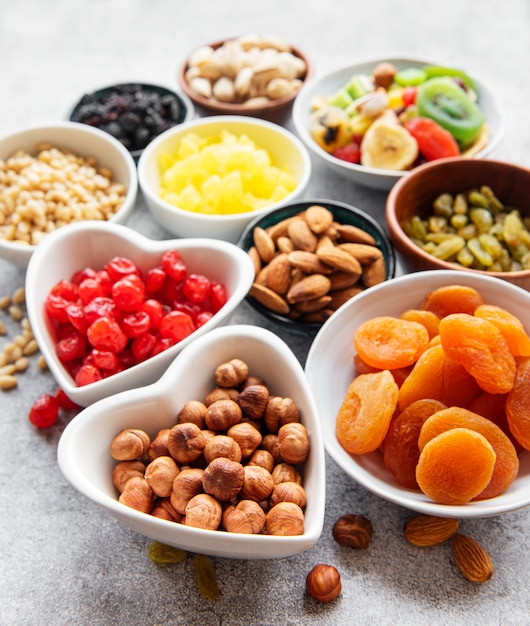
(235, 108)
(402, 241)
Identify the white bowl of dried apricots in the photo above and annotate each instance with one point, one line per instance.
(422, 386)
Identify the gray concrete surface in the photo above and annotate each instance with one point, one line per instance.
(63, 561)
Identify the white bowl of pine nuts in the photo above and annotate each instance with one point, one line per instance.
(58, 173)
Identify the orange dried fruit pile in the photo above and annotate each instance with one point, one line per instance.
(443, 393)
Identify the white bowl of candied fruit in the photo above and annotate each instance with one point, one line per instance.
(410, 370)
(77, 173)
(110, 308)
(376, 120)
(209, 482)
(210, 177)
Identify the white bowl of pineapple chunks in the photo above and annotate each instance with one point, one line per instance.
(211, 176)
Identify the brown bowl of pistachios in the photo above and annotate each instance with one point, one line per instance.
(468, 214)
(256, 75)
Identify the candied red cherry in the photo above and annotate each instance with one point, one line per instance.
(64, 401)
(197, 288)
(176, 325)
(128, 293)
(218, 297)
(100, 307)
(91, 288)
(351, 152)
(135, 324)
(187, 307)
(76, 317)
(120, 266)
(173, 265)
(56, 307)
(161, 345)
(65, 289)
(141, 347)
(155, 310)
(409, 96)
(102, 359)
(71, 348)
(154, 279)
(45, 411)
(105, 334)
(86, 375)
(127, 359)
(203, 317)
(86, 272)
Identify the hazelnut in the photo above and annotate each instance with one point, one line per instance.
(222, 445)
(231, 373)
(223, 478)
(158, 446)
(125, 470)
(138, 494)
(354, 531)
(245, 517)
(289, 492)
(257, 484)
(293, 442)
(185, 443)
(129, 444)
(163, 509)
(221, 394)
(262, 458)
(284, 473)
(247, 436)
(253, 401)
(270, 443)
(280, 411)
(186, 485)
(160, 474)
(323, 583)
(285, 519)
(223, 414)
(384, 73)
(203, 511)
(193, 411)
(251, 380)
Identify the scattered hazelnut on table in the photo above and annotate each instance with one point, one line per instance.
(354, 531)
(323, 583)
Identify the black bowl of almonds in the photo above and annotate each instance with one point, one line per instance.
(311, 257)
(133, 113)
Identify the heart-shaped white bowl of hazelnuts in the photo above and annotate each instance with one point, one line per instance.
(222, 456)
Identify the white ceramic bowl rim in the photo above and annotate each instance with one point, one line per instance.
(229, 120)
(367, 469)
(300, 117)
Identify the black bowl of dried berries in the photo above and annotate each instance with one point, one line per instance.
(133, 113)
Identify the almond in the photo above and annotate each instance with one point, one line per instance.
(318, 218)
(308, 306)
(374, 273)
(279, 274)
(354, 234)
(280, 229)
(284, 244)
(429, 530)
(340, 260)
(264, 244)
(472, 559)
(308, 288)
(341, 296)
(301, 236)
(364, 253)
(255, 258)
(269, 299)
(308, 262)
(342, 280)
(316, 317)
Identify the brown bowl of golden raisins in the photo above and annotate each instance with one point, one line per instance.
(467, 214)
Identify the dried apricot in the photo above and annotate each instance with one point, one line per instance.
(400, 446)
(452, 299)
(365, 414)
(429, 319)
(510, 326)
(479, 346)
(492, 406)
(506, 463)
(388, 342)
(425, 380)
(399, 373)
(459, 387)
(455, 466)
(518, 405)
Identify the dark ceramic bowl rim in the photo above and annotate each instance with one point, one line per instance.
(360, 219)
(100, 92)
